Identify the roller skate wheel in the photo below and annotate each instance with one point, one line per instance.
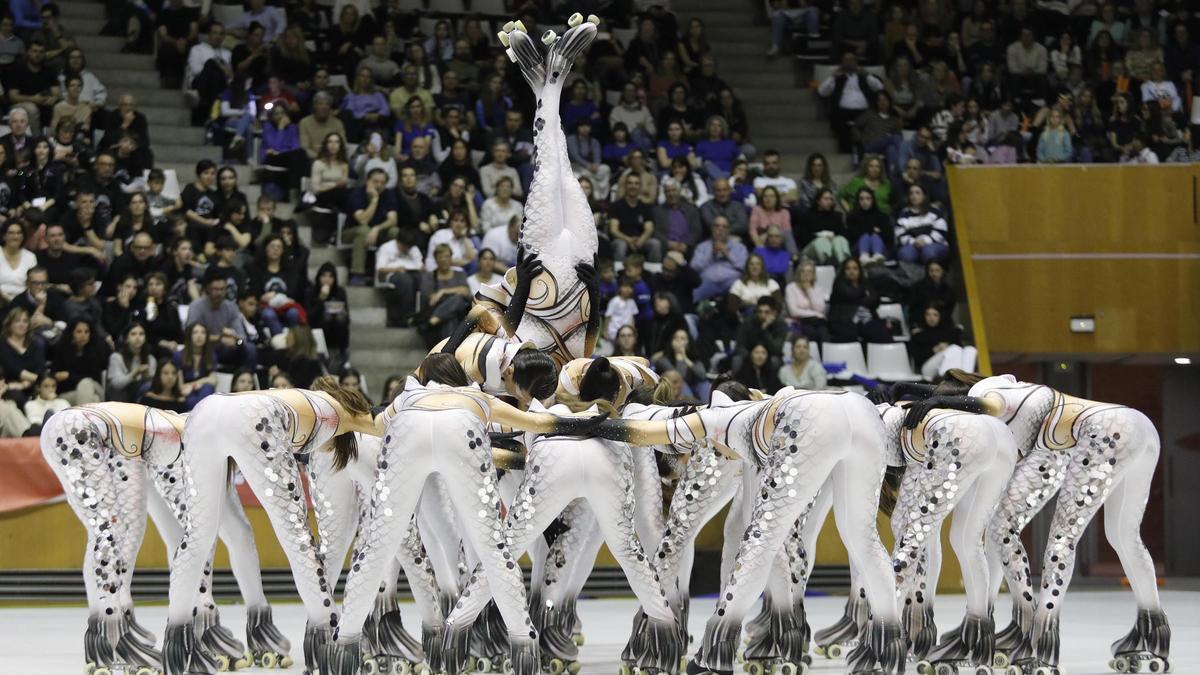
(945, 669)
(145, 671)
(577, 638)
(575, 20)
(243, 661)
(482, 665)
(512, 56)
(503, 37)
(1000, 660)
(983, 670)
(819, 650)
(573, 667)
(1156, 665)
(401, 667)
(369, 665)
(625, 669)
(1043, 670)
(421, 669)
(102, 671)
(89, 668)
(549, 37)
(1120, 664)
(757, 668)
(834, 652)
(791, 669)
(285, 661)
(924, 668)
(508, 26)
(556, 666)
(593, 19)
(508, 666)
(223, 663)
(1014, 670)
(519, 25)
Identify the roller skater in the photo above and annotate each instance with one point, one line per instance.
(105, 454)
(1089, 453)
(417, 426)
(261, 431)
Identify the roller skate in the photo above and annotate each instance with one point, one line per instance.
(556, 639)
(839, 639)
(182, 653)
(228, 652)
(267, 646)
(694, 668)
(390, 650)
(968, 651)
(455, 654)
(1146, 648)
(1012, 643)
(654, 648)
(345, 658)
(316, 652)
(138, 632)
(921, 628)
(1033, 666)
(557, 666)
(777, 647)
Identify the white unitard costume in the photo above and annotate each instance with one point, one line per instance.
(105, 454)
(262, 432)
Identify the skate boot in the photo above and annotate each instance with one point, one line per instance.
(557, 625)
(182, 652)
(778, 647)
(431, 645)
(345, 658)
(1147, 648)
(969, 651)
(130, 656)
(921, 629)
(390, 649)
(759, 623)
(316, 641)
(455, 652)
(524, 657)
(835, 641)
(268, 647)
(656, 648)
(694, 668)
(880, 651)
(1012, 643)
(138, 631)
(229, 653)
(801, 616)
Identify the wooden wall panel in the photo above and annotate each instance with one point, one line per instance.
(1044, 243)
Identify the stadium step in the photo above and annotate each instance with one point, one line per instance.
(170, 100)
(71, 11)
(377, 337)
(165, 115)
(94, 44)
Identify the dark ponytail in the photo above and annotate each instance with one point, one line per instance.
(444, 369)
(345, 445)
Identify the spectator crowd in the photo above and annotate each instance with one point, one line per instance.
(405, 139)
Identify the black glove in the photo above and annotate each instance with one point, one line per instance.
(577, 426)
(588, 275)
(528, 267)
(506, 440)
(880, 394)
(917, 412)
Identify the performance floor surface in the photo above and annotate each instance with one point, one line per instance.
(48, 641)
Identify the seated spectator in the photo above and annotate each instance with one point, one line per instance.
(46, 179)
(637, 118)
(679, 357)
(22, 355)
(182, 273)
(806, 304)
(257, 332)
(849, 90)
(622, 310)
(757, 372)
(282, 381)
(399, 263)
(457, 237)
(353, 380)
(634, 271)
(73, 106)
(47, 403)
(414, 209)
(328, 309)
(921, 230)
(803, 372)
(719, 261)
(178, 29)
(1028, 64)
(717, 151)
(132, 366)
(215, 311)
(635, 163)
(200, 198)
(783, 15)
(1142, 56)
(852, 307)
(119, 310)
(934, 290)
(458, 165)
(280, 286)
(631, 224)
(870, 228)
(32, 85)
(272, 20)
(364, 110)
(197, 363)
(299, 360)
(281, 148)
(416, 79)
(665, 319)
(775, 254)
(422, 162)
(676, 222)
(243, 380)
(1054, 143)
(627, 343)
(678, 109)
(78, 363)
(320, 125)
(503, 242)
(250, 59)
(209, 70)
(493, 104)
(233, 234)
(459, 198)
(164, 332)
(415, 123)
(878, 130)
(372, 216)
(374, 154)
(166, 390)
(447, 297)
(485, 274)
(872, 174)
(15, 262)
(43, 303)
(755, 283)
(675, 146)
(937, 346)
(769, 212)
(586, 157)
(1139, 152)
(772, 176)
(618, 147)
(20, 138)
(82, 304)
(384, 71)
(500, 208)
(520, 141)
(329, 181)
(498, 168)
(691, 186)
(135, 220)
(723, 204)
(161, 206)
(821, 236)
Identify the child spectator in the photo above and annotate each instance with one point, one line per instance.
(47, 402)
(131, 366)
(622, 310)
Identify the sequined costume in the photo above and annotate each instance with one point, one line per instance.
(959, 462)
(558, 224)
(434, 430)
(559, 471)
(262, 432)
(105, 454)
(1090, 453)
(798, 440)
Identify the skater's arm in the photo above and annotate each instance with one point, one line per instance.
(528, 268)
(591, 280)
(914, 389)
(972, 404)
(544, 423)
(673, 432)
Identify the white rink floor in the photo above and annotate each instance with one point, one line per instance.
(48, 641)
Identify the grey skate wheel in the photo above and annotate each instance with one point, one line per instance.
(1014, 670)
(557, 666)
(791, 669)
(102, 671)
(924, 668)
(143, 670)
(834, 651)
(1120, 664)
(945, 669)
(1156, 665)
(983, 670)
(223, 663)
(757, 668)
(401, 667)
(483, 665)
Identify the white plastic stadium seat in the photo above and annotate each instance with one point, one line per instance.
(825, 276)
(224, 383)
(227, 14)
(889, 361)
(893, 310)
(489, 7)
(849, 353)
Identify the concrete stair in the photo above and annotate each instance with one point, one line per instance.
(783, 113)
(375, 350)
